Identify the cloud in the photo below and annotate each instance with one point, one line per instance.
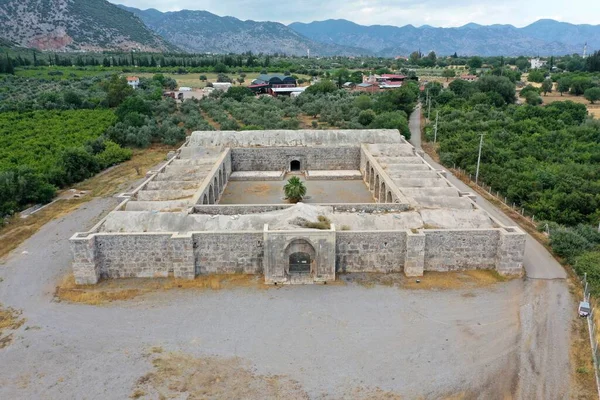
(442, 13)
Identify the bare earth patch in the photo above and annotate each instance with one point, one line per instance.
(10, 320)
(177, 375)
(110, 290)
(430, 280)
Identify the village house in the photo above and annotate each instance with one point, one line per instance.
(133, 81)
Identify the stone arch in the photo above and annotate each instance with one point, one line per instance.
(216, 187)
(295, 165)
(211, 195)
(205, 200)
(382, 192)
(367, 172)
(376, 187)
(300, 256)
(388, 199)
(372, 179)
(221, 183)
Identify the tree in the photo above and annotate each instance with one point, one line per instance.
(547, 86)
(325, 86)
(563, 85)
(202, 78)
(220, 68)
(499, 84)
(475, 62)
(533, 99)
(592, 94)
(294, 190)
(117, 90)
(240, 80)
(366, 117)
(448, 73)
(536, 76)
(238, 93)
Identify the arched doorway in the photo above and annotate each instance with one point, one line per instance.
(301, 257)
(299, 263)
(295, 165)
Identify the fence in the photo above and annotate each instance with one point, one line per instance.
(593, 330)
(592, 327)
(462, 174)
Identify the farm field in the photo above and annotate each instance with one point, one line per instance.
(37, 138)
(593, 109)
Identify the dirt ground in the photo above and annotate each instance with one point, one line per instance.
(271, 192)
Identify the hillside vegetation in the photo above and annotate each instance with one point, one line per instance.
(73, 25)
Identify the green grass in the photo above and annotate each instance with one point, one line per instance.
(67, 72)
(37, 138)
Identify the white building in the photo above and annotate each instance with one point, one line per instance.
(133, 81)
(537, 63)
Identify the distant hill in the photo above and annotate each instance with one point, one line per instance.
(201, 31)
(68, 25)
(544, 37)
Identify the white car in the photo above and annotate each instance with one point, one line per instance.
(584, 309)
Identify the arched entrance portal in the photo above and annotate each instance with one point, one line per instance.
(295, 165)
(301, 257)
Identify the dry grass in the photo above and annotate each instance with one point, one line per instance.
(105, 183)
(429, 281)
(583, 381)
(10, 320)
(126, 289)
(322, 223)
(177, 375)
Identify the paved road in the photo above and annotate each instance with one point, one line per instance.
(539, 264)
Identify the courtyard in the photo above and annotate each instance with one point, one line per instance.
(271, 192)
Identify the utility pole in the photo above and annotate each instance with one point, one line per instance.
(479, 159)
(427, 101)
(429, 110)
(435, 129)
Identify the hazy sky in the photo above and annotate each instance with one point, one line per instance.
(391, 12)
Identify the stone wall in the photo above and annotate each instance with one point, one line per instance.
(228, 253)
(133, 255)
(185, 255)
(448, 250)
(226, 209)
(279, 158)
(372, 251)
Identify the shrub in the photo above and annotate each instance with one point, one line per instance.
(322, 223)
(294, 190)
(113, 154)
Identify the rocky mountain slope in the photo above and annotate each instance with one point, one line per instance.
(69, 25)
(544, 37)
(201, 31)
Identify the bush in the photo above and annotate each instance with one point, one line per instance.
(366, 117)
(568, 244)
(78, 165)
(113, 154)
(592, 94)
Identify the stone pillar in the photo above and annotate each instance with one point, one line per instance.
(85, 270)
(414, 262)
(182, 256)
(511, 252)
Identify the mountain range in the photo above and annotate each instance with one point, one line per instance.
(544, 37)
(71, 25)
(204, 32)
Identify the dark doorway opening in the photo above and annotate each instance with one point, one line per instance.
(300, 263)
(295, 165)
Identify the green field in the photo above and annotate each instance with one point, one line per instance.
(37, 138)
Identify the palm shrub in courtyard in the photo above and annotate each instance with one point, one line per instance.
(294, 190)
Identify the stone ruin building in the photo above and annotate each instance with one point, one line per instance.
(217, 207)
